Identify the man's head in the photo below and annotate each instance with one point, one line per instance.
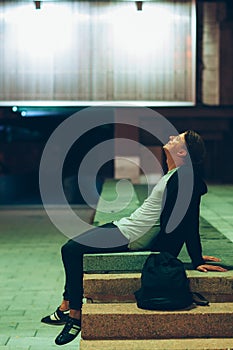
(187, 143)
(195, 146)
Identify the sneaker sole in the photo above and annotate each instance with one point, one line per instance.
(55, 324)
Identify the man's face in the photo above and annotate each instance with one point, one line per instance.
(175, 144)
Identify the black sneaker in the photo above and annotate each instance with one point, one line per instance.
(58, 318)
(69, 332)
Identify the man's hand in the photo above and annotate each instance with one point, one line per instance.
(206, 268)
(210, 258)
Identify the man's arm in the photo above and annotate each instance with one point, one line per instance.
(193, 244)
(193, 241)
(187, 230)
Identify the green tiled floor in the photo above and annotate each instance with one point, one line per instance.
(31, 278)
(31, 269)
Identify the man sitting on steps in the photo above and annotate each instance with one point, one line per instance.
(147, 228)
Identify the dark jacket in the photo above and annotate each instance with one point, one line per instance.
(187, 228)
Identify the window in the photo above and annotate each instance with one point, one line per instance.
(80, 53)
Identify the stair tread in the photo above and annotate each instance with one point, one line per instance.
(131, 308)
(190, 273)
(159, 344)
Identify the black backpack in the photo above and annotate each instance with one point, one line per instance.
(164, 285)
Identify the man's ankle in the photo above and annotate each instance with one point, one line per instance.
(75, 314)
(64, 305)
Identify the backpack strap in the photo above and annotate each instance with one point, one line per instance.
(199, 299)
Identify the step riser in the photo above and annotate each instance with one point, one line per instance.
(114, 262)
(104, 288)
(157, 327)
(126, 321)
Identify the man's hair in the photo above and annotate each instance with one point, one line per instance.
(195, 146)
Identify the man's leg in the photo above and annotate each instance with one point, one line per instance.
(104, 239)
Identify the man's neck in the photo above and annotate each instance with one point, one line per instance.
(173, 163)
(172, 167)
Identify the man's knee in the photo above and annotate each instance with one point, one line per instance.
(69, 248)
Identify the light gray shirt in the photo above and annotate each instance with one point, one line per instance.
(144, 223)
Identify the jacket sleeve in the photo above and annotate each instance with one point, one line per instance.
(192, 235)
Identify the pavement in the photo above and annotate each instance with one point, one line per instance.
(31, 270)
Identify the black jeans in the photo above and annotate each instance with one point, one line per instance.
(103, 239)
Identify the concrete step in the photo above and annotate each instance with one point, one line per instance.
(215, 286)
(127, 321)
(161, 344)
